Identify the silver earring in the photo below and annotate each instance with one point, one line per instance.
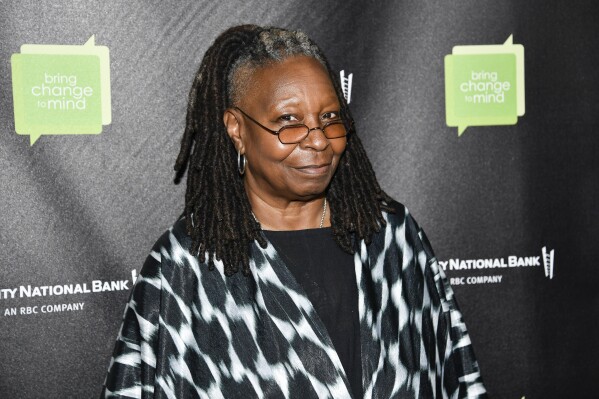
(240, 168)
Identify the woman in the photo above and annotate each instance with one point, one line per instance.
(339, 294)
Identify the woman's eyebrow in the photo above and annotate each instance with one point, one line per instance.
(294, 101)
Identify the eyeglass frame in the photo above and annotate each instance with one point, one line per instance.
(277, 132)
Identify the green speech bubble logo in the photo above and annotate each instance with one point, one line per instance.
(484, 85)
(61, 89)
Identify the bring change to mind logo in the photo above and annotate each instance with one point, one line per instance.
(61, 89)
(484, 85)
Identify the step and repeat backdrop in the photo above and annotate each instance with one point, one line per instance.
(482, 117)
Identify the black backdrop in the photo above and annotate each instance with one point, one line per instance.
(81, 208)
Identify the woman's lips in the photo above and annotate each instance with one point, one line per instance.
(314, 169)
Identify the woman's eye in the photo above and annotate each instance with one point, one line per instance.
(331, 115)
(287, 118)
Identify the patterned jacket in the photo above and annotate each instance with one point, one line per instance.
(188, 332)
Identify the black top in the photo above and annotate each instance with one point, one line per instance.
(327, 275)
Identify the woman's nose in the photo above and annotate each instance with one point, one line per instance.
(316, 139)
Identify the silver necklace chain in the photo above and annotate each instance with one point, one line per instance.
(324, 211)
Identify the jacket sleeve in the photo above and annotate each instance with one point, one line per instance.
(458, 371)
(131, 372)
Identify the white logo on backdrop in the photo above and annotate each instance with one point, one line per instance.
(548, 262)
(346, 83)
(512, 262)
(22, 293)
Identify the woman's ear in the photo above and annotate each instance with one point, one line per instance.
(233, 127)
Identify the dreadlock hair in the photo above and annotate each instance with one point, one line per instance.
(218, 214)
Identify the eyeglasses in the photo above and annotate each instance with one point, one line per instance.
(292, 134)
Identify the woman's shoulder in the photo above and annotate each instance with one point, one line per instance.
(398, 213)
(401, 217)
(179, 229)
(170, 254)
(175, 236)
(412, 230)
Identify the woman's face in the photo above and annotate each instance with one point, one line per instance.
(296, 90)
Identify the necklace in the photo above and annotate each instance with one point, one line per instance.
(324, 211)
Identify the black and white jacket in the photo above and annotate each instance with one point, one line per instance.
(188, 332)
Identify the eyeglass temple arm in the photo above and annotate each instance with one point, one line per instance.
(256, 122)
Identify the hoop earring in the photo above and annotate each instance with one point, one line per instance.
(240, 169)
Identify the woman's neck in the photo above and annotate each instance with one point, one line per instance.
(282, 214)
